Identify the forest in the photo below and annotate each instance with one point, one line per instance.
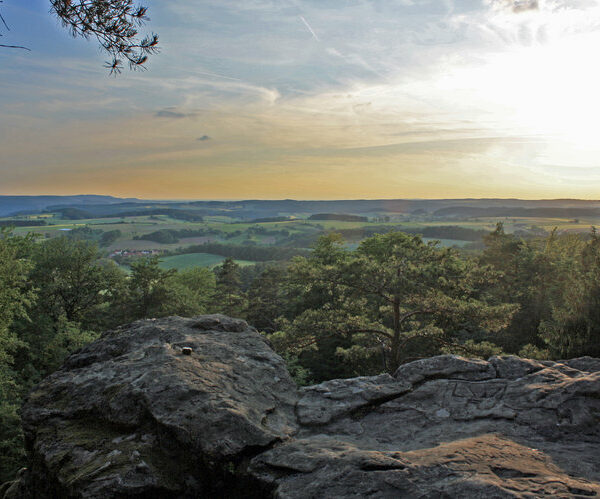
(336, 311)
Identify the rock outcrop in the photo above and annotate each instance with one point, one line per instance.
(203, 407)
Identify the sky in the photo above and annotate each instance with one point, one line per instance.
(310, 99)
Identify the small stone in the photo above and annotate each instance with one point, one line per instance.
(186, 351)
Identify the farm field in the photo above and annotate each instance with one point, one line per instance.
(183, 243)
(138, 226)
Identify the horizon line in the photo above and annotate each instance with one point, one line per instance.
(225, 200)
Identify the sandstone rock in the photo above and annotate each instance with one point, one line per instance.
(484, 466)
(131, 416)
(508, 427)
(321, 404)
(445, 366)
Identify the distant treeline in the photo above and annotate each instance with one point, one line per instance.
(502, 211)
(172, 236)
(436, 232)
(98, 236)
(306, 240)
(270, 219)
(188, 216)
(341, 217)
(79, 214)
(22, 223)
(449, 232)
(246, 252)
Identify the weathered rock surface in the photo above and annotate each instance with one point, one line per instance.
(131, 415)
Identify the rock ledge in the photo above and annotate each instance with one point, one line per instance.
(134, 415)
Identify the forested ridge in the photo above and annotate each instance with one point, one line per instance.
(332, 312)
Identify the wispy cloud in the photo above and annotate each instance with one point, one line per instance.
(170, 113)
(204, 138)
(217, 75)
(309, 28)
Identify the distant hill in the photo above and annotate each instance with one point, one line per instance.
(10, 205)
(503, 211)
(251, 210)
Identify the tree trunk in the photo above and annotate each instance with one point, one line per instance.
(395, 353)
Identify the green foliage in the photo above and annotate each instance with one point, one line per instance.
(85, 233)
(556, 284)
(530, 351)
(170, 236)
(300, 374)
(12, 452)
(472, 348)
(267, 299)
(22, 223)
(229, 299)
(192, 260)
(14, 293)
(154, 292)
(573, 330)
(74, 214)
(450, 232)
(14, 298)
(528, 279)
(335, 216)
(69, 280)
(109, 237)
(200, 284)
(72, 291)
(392, 289)
(247, 252)
(147, 288)
(162, 236)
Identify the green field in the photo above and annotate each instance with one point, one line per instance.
(298, 232)
(190, 260)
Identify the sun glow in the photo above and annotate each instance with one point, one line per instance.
(547, 81)
(549, 90)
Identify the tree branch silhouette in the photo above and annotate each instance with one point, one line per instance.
(114, 23)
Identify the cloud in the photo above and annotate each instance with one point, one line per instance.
(204, 138)
(522, 5)
(516, 5)
(168, 113)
